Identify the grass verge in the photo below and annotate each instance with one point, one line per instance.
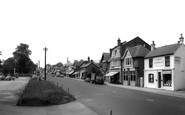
(43, 93)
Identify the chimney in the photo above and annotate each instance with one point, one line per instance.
(181, 40)
(152, 46)
(88, 59)
(119, 41)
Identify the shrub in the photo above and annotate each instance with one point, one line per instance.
(43, 93)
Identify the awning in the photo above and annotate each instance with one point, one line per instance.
(75, 73)
(71, 72)
(111, 74)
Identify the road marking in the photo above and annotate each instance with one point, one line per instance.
(150, 100)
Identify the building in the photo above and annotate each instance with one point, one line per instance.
(104, 63)
(133, 65)
(76, 67)
(87, 68)
(115, 68)
(165, 67)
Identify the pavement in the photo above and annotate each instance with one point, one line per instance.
(11, 90)
(180, 94)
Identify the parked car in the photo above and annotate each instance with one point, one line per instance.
(8, 78)
(2, 77)
(87, 79)
(97, 79)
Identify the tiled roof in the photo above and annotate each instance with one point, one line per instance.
(105, 57)
(89, 63)
(78, 63)
(138, 51)
(164, 50)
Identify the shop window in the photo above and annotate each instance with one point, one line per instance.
(150, 63)
(167, 61)
(167, 80)
(151, 78)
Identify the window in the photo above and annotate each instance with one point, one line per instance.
(128, 61)
(167, 78)
(133, 77)
(167, 61)
(150, 63)
(115, 52)
(125, 76)
(151, 78)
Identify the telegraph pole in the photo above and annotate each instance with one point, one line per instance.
(45, 49)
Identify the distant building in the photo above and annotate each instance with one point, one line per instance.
(104, 64)
(165, 67)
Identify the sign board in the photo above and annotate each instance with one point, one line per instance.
(177, 60)
(158, 62)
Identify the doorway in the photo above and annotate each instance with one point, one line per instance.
(159, 79)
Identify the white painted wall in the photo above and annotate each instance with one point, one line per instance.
(179, 72)
(146, 82)
(158, 66)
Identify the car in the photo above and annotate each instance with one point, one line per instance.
(99, 80)
(87, 79)
(2, 77)
(8, 78)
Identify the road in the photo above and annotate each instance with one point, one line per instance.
(102, 99)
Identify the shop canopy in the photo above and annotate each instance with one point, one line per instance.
(111, 74)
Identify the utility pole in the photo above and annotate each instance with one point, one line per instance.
(45, 49)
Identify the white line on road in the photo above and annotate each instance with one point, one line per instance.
(150, 100)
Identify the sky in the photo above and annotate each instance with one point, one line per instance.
(80, 28)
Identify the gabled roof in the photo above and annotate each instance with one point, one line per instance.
(78, 63)
(137, 51)
(89, 63)
(164, 50)
(105, 57)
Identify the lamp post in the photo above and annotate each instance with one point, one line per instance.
(45, 49)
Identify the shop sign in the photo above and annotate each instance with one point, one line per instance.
(177, 60)
(158, 62)
(167, 71)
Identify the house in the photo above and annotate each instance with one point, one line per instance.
(76, 67)
(104, 63)
(165, 67)
(133, 65)
(87, 68)
(115, 69)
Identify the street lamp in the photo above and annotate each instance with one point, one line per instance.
(45, 49)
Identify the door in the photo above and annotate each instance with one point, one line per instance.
(159, 79)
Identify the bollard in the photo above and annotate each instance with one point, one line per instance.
(68, 90)
(111, 112)
(57, 84)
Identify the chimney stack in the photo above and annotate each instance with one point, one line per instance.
(88, 59)
(119, 41)
(152, 46)
(181, 40)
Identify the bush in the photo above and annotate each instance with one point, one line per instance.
(43, 93)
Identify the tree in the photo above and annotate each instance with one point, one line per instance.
(22, 49)
(23, 63)
(8, 66)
